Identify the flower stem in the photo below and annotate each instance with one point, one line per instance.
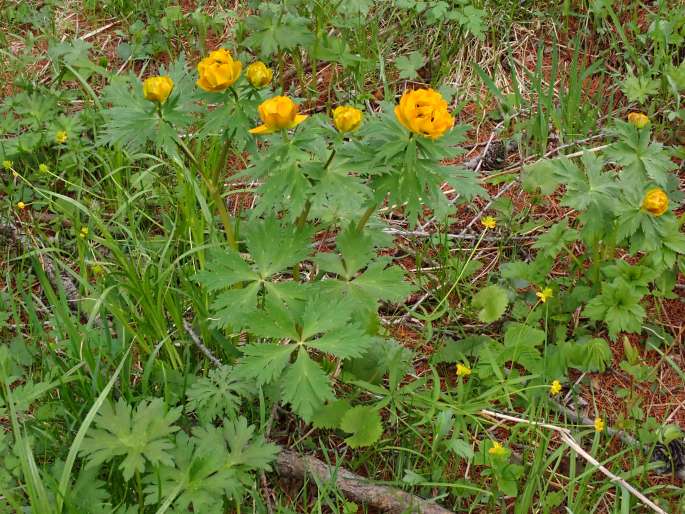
(216, 197)
(365, 217)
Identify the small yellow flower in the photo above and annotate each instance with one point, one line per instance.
(61, 137)
(157, 89)
(599, 425)
(655, 201)
(489, 222)
(638, 119)
(545, 294)
(98, 270)
(258, 74)
(218, 71)
(462, 370)
(43, 168)
(555, 388)
(21, 205)
(497, 450)
(425, 112)
(346, 118)
(84, 232)
(7, 164)
(278, 113)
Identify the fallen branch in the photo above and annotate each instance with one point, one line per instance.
(356, 488)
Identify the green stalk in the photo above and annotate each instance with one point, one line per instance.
(216, 197)
(365, 217)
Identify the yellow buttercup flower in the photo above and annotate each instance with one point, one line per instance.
(638, 119)
(425, 112)
(7, 164)
(489, 222)
(555, 388)
(278, 113)
(462, 370)
(218, 71)
(43, 168)
(61, 137)
(259, 74)
(655, 201)
(545, 294)
(21, 205)
(497, 450)
(599, 425)
(157, 89)
(346, 118)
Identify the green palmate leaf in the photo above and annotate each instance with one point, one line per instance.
(594, 187)
(364, 423)
(331, 414)
(274, 246)
(557, 237)
(212, 466)
(408, 65)
(593, 355)
(357, 249)
(619, 306)
(491, 301)
(639, 89)
(274, 29)
(265, 361)
(305, 386)
(218, 395)
(540, 176)
(638, 277)
(133, 122)
(139, 436)
(377, 283)
(641, 159)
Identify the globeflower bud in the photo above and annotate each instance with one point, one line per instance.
(346, 118)
(258, 74)
(638, 119)
(157, 89)
(655, 201)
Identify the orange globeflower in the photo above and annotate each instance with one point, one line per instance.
(425, 112)
(218, 71)
(278, 113)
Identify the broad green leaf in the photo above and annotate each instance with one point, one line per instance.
(491, 301)
(331, 414)
(540, 175)
(409, 65)
(364, 423)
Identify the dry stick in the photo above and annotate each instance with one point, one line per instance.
(355, 487)
(565, 434)
(198, 342)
